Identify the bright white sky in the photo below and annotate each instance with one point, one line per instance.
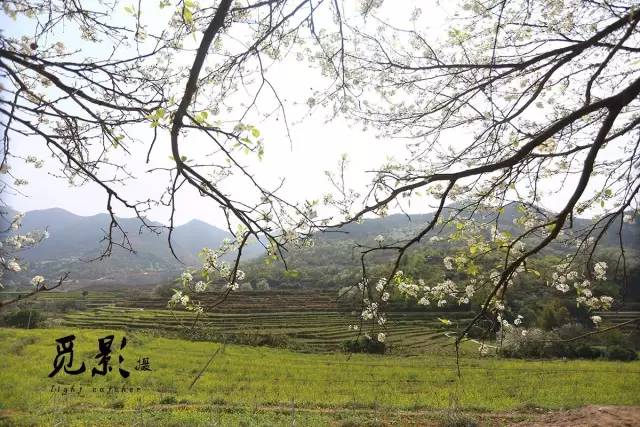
(317, 144)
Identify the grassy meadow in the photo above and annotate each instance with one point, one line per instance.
(264, 386)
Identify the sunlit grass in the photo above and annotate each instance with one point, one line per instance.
(250, 378)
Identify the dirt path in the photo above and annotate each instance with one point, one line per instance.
(588, 416)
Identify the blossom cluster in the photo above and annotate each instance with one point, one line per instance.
(564, 279)
(214, 270)
(17, 242)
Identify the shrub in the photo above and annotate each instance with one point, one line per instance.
(624, 354)
(531, 345)
(24, 318)
(538, 344)
(584, 351)
(244, 338)
(553, 315)
(364, 344)
(66, 306)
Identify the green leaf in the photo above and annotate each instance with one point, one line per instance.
(472, 269)
(187, 15)
(255, 132)
(129, 9)
(291, 274)
(445, 321)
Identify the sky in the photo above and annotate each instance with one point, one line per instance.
(316, 146)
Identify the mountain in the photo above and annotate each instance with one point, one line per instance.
(76, 240)
(76, 243)
(334, 259)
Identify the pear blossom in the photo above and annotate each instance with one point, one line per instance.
(37, 281)
(600, 270)
(200, 286)
(448, 263)
(175, 298)
(14, 266)
(518, 320)
(186, 277)
(381, 337)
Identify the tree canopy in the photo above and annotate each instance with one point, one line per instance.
(527, 101)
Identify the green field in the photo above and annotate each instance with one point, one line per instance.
(306, 321)
(410, 333)
(264, 386)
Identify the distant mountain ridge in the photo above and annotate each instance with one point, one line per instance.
(75, 240)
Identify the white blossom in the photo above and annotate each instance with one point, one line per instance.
(14, 266)
(518, 320)
(600, 270)
(423, 301)
(448, 263)
(470, 290)
(381, 337)
(175, 298)
(184, 300)
(37, 281)
(200, 286)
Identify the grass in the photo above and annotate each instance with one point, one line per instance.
(263, 386)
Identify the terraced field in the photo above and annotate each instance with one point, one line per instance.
(244, 301)
(305, 320)
(315, 331)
